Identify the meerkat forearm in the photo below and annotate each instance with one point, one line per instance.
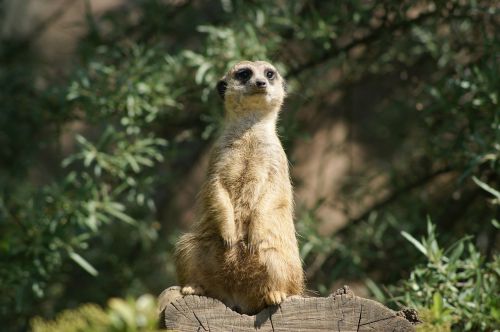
(221, 211)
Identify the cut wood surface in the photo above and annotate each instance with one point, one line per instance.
(341, 311)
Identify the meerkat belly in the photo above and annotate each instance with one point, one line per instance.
(248, 177)
(245, 179)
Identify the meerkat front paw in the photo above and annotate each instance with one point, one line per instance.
(229, 236)
(274, 297)
(229, 241)
(192, 290)
(254, 241)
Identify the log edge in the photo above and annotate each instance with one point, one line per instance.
(171, 304)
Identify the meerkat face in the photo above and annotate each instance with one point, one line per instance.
(252, 86)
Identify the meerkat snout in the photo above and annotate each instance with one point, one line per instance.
(261, 84)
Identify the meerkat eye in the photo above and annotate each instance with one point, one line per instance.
(270, 74)
(243, 74)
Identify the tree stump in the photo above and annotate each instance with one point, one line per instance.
(341, 311)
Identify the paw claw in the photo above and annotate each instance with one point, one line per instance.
(274, 297)
(192, 290)
(229, 237)
(229, 242)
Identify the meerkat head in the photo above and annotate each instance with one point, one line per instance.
(252, 87)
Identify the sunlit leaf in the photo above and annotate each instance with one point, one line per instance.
(83, 263)
(415, 242)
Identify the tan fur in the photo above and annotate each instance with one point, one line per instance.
(242, 248)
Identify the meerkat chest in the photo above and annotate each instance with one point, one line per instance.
(250, 161)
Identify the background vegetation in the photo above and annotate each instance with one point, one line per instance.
(94, 158)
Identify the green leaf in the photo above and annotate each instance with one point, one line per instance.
(118, 214)
(83, 263)
(123, 310)
(201, 72)
(437, 304)
(376, 291)
(457, 252)
(306, 249)
(495, 223)
(415, 242)
(132, 162)
(486, 187)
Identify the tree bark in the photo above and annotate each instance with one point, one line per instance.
(342, 311)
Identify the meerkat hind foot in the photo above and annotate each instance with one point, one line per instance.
(274, 297)
(192, 290)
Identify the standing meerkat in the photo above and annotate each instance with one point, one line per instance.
(242, 249)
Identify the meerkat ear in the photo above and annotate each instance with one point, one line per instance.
(221, 88)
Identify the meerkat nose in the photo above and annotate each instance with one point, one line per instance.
(260, 84)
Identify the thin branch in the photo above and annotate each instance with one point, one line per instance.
(394, 196)
(311, 273)
(373, 36)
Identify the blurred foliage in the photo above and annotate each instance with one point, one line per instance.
(92, 159)
(129, 315)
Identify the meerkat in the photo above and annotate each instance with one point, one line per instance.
(242, 248)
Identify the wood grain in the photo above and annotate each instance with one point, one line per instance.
(342, 311)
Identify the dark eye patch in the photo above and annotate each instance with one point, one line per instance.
(243, 74)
